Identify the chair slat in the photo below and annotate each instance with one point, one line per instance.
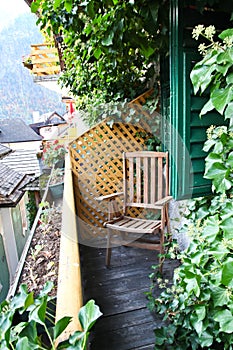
(138, 179)
(160, 178)
(145, 180)
(131, 180)
(152, 180)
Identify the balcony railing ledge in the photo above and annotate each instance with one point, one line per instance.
(69, 292)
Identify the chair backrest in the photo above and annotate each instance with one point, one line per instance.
(145, 178)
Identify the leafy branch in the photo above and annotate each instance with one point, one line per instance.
(214, 73)
(26, 323)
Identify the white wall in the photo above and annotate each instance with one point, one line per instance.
(33, 145)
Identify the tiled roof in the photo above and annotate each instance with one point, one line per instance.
(23, 161)
(48, 119)
(4, 150)
(11, 186)
(16, 130)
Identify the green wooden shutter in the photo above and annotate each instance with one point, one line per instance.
(184, 130)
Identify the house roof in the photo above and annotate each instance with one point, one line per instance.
(16, 130)
(48, 119)
(23, 161)
(4, 150)
(11, 186)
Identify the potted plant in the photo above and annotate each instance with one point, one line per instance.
(54, 154)
(56, 182)
(27, 62)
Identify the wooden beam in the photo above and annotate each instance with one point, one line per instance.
(69, 292)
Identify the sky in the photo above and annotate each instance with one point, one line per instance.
(10, 9)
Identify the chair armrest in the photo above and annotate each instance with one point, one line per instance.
(162, 202)
(109, 196)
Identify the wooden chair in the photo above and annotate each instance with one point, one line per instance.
(145, 186)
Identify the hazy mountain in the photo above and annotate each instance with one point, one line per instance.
(19, 95)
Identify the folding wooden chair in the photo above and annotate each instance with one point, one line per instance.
(145, 186)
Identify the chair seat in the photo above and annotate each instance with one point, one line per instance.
(128, 224)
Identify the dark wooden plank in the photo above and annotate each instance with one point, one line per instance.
(125, 338)
(127, 319)
(119, 291)
(115, 304)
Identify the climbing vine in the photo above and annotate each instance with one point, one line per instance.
(111, 48)
(197, 307)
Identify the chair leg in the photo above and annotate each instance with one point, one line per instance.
(161, 251)
(168, 224)
(109, 249)
(161, 258)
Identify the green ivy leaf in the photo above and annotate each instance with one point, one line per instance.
(60, 326)
(88, 314)
(229, 79)
(229, 111)
(193, 286)
(38, 313)
(227, 274)
(225, 319)
(219, 251)
(68, 5)
(46, 289)
(211, 228)
(108, 40)
(23, 343)
(160, 336)
(220, 296)
(208, 145)
(221, 97)
(226, 56)
(35, 6)
(56, 4)
(97, 53)
(206, 339)
(207, 107)
(226, 33)
(201, 77)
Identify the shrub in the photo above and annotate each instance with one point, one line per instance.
(26, 323)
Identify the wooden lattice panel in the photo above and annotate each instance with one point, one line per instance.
(96, 158)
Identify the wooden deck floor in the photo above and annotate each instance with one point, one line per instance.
(126, 323)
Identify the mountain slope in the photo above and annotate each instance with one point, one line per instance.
(19, 95)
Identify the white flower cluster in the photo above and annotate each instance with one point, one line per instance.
(208, 33)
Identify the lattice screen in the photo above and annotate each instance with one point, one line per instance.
(96, 158)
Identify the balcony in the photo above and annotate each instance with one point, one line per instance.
(43, 60)
(45, 65)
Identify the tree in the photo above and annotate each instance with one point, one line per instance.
(111, 48)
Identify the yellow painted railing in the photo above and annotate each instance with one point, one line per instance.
(69, 292)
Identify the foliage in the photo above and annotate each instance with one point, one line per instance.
(126, 112)
(31, 208)
(198, 307)
(110, 48)
(36, 329)
(53, 152)
(219, 162)
(214, 72)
